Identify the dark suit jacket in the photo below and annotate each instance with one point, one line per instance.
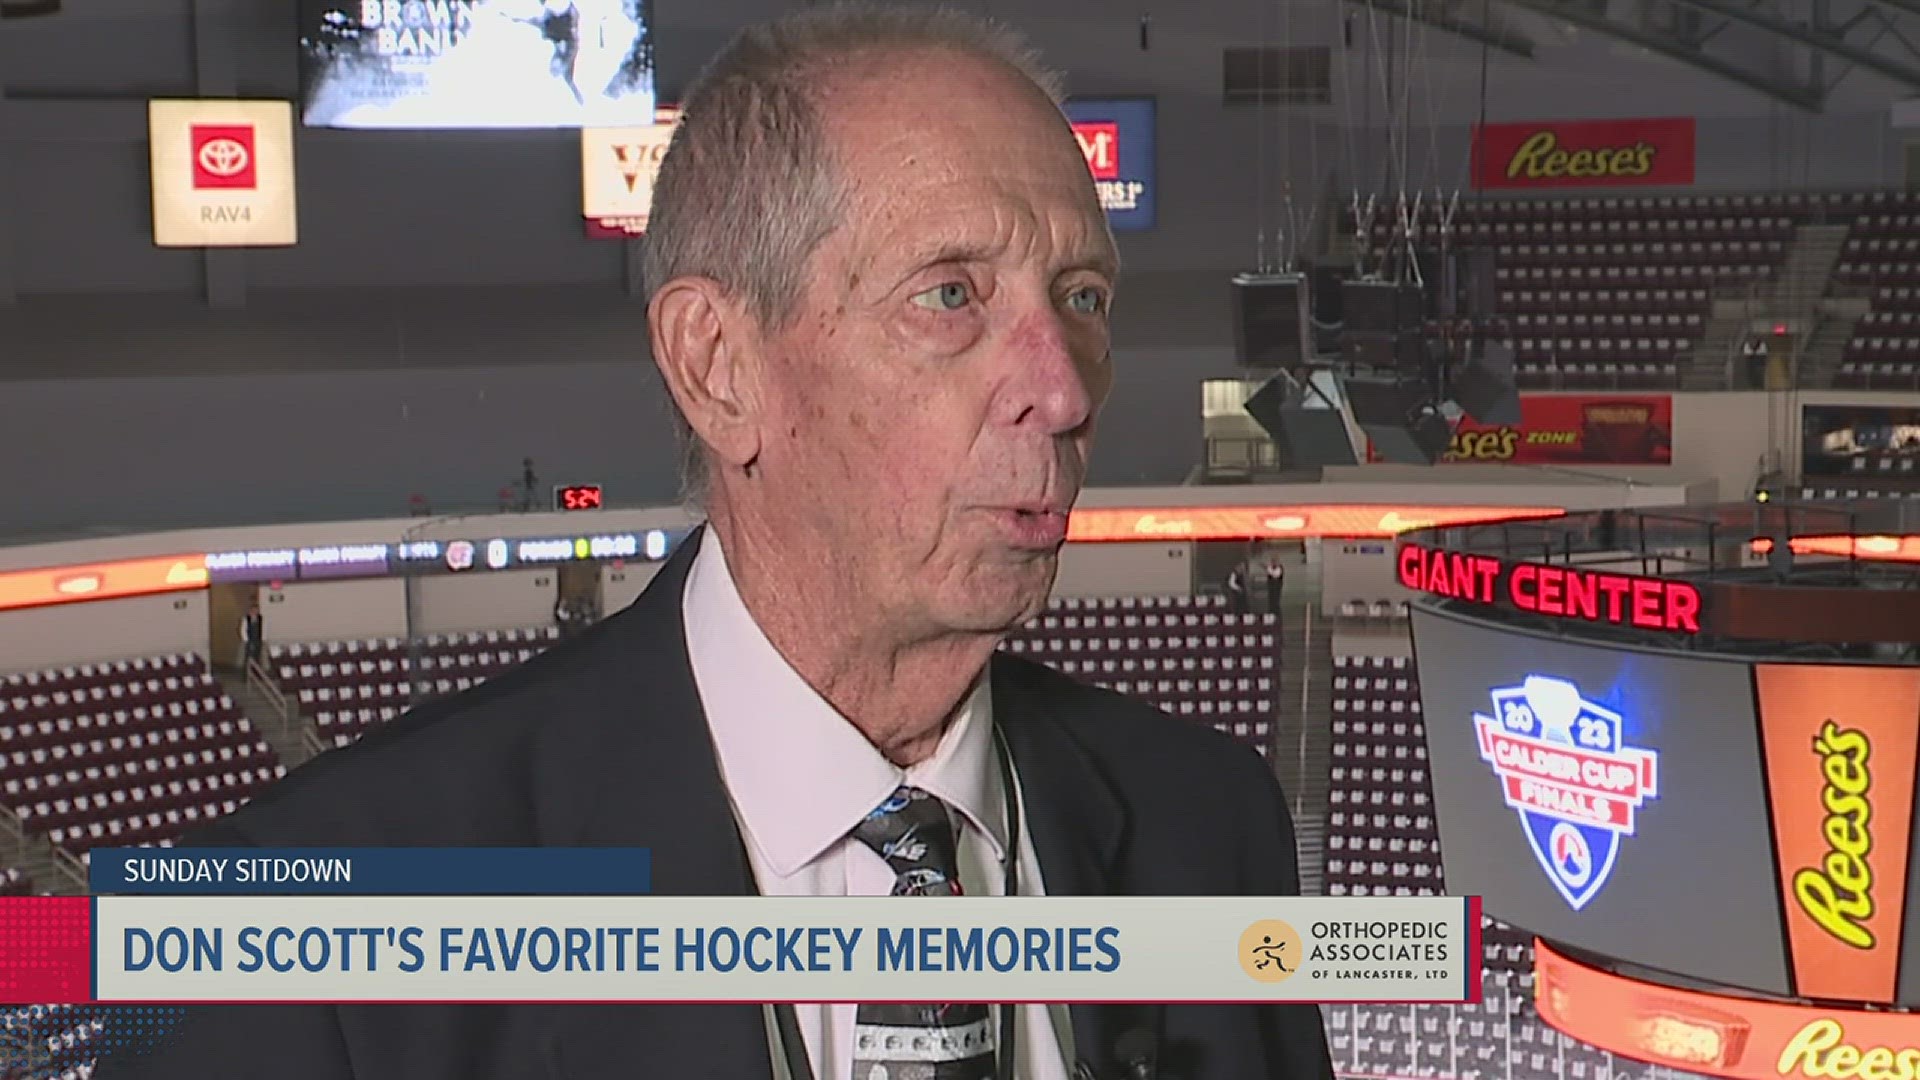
(603, 742)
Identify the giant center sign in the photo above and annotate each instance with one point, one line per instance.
(1567, 592)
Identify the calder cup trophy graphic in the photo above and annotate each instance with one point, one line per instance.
(1564, 766)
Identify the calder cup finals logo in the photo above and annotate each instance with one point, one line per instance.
(1563, 764)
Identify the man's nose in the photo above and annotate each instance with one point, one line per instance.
(1051, 385)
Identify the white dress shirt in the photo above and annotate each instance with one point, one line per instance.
(800, 777)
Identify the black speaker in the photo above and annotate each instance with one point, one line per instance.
(1270, 320)
(1379, 305)
(1369, 348)
(1479, 284)
(1306, 428)
(1418, 441)
(1399, 419)
(1325, 288)
(1484, 388)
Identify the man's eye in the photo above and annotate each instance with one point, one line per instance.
(951, 296)
(1088, 301)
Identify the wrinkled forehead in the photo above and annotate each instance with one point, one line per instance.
(954, 152)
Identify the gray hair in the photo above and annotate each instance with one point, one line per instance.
(750, 184)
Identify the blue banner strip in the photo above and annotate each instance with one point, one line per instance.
(383, 871)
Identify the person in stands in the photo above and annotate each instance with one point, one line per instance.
(1275, 572)
(1236, 589)
(1753, 355)
(879, 279)
(253, 636)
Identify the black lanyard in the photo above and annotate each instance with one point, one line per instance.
(793, 1046)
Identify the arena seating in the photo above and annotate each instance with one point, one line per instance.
(1883, 243)
(1500, 1037)
(348, 687)
(1188, 655)
(49, 1042)
(1377, 610)
(1382, 840)
(1863, 487)
(1884, 353)
(14, 882)
(125, 753)
(1881, 259)
(1381, 837)
(1615, 292)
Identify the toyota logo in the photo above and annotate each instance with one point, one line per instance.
(224, 157)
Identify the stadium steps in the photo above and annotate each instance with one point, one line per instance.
(1803, 281)
(1804, 277)
(1820, 358)
(1302, 733)
(1310, 840)
(1792, 295)
(284, 736)
(35, 859)
(1711, 366)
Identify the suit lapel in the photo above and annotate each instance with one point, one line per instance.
(636, 766)
(633, 764)
(1078, 825)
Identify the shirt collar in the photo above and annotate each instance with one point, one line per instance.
(799, 775)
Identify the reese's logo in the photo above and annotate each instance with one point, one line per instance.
(1541, 157)
(1503, 443)
(1822, 1050)
(1838, 894)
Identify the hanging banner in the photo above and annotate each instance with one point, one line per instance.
(1584, 153)
(222, 173)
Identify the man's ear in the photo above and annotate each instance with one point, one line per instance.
(704, 343)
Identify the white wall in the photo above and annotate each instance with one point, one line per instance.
(487, 601)
(67, 634)
(1357, 570)
(336, 610)
(1125, 570)
(622, 586)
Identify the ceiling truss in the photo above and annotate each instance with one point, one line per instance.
(1817, 42)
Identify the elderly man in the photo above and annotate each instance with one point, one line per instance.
(879, 291)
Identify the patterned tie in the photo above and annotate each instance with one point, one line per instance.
(912, 831)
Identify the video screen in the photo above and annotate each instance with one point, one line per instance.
(453, 64)
(1609, 799)
(1868, 441)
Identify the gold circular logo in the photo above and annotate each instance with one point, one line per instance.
(1270, 951)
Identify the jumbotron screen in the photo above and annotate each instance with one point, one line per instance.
(1607, 798)
(456, 64)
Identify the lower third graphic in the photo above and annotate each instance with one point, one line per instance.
(1564, 765)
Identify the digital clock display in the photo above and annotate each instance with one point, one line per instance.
(577, 497)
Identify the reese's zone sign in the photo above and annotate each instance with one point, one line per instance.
(1567, 592)
(1595, 153)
